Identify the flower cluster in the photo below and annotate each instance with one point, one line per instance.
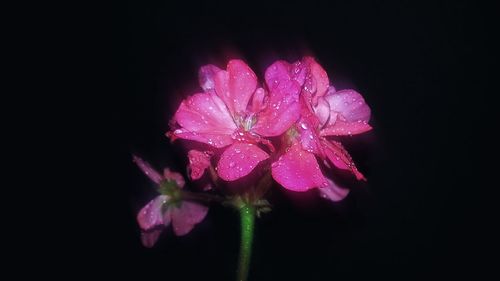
(283, 127)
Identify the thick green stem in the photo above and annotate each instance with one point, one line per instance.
(247, 217)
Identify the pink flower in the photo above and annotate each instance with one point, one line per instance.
(324, 113)
(235, 114)
(167, 207)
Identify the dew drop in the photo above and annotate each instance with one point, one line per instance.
(231, 164)
(304, 126)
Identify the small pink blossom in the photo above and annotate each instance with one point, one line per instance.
(167, 207)
(235, 114)
(324, 112)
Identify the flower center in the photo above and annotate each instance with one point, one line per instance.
(172, 190)
(290, 135)
(246, 121)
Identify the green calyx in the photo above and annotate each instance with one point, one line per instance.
(172, 190)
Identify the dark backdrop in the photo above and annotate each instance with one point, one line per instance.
(421, 68)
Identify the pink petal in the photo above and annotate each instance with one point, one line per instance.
(206, 76)
(309, 139)
(350, 111)
(149, 238)
(178, 178)
(258, 100)
(215, 140)
(333, 192)
(236, 86)
(205, 113)
(307, 126)
(299, 72)
(199, 161)
(147, 169)
(187, 216)
(318, 76)
(152, 215)
(342, 128)
(339, 157)
(298, 170)
(350, 104)
(322, 111)
(283, 108)
(239, 160)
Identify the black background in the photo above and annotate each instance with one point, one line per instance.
(422, 68)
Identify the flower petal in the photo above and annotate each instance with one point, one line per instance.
(149, 238)
(147, 169)
(298, 170)
(239, 160)
(322, 111)
(187, 216)
(339, 157)
(318, 76)
(283, 107)
(353, 113)
(350, 104)
(206, 76)
(199, 161)
(215, 140)
(333, 192)
(349, 114)
(203, 113)
(309, 138)
(299, 72)
(178, 178)
(258, 100)
(342, 128)
(152, 215)
(236, 86)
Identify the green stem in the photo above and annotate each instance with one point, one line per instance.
(247, 217)
(204, 197)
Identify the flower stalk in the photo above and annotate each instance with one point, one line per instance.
(247, 220)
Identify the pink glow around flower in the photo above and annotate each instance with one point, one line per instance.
(167, 207)
(235, 114)
(324, 112)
